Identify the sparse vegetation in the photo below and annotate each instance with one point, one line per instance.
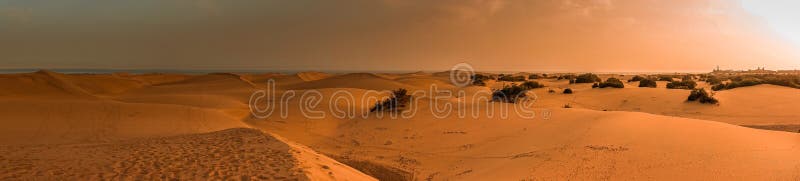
(567, 91)
(612, 82)
(713, 80)
(751, 80)
(702, 96)
(511, 78)
(568, 77)
(647, 83)
(536, 76)
(683, 84)
(587, 78)
(397, 102)
(665, 78)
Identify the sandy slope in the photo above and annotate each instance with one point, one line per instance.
(757, 105)
(44, 115)
(572, 144)
(239, 154)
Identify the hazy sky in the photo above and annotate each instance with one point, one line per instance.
(512, 35)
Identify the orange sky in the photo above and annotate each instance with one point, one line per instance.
(498, 35)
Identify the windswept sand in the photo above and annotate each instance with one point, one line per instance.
(156, 126)
(239, 154)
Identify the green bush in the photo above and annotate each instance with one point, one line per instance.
(531, 85)
(637, 78)
(684, 84)
(647, 83)
(612, 82)
(509, 94)
(587, 78)
(702, 96)
(479, 79)
(396, 102)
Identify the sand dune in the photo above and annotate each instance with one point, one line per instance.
(134, 122)
(240, 154)
(572, 144)
(77, 121)
(354, 80)
(312, 76)
(756, 105)
(41, 83)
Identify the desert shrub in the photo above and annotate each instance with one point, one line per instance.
(665, 78)
(647, 83)
(567, 91)
(687, 77)
(535, 76)
(595, 85)
(511, 78)
(479, 79)
(587, 78)
(551, 91)
(713, 80)
(637, 78)
(396, 102)
(683, 84)
(509, 94)
(702, 96)
(571, 81)
(751, 80)
(612, 82)
(567, 106)
(568, 76)
(531, 85)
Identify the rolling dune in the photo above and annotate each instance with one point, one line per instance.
(199, 127)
